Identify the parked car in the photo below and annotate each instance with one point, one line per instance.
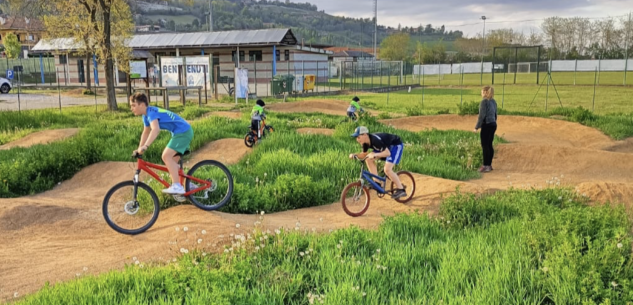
(5, 85)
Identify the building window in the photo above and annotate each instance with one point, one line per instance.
(18, 37)
(241, 56)
(278, 55)
(255, 55)
(287, 55)
(63, 59)
(31, 38)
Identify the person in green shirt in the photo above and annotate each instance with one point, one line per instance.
(353, 106)
(257, 114)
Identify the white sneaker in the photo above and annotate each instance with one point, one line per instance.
(174, 189)
(192, 186)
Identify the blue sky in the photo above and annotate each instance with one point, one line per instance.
(464, 15)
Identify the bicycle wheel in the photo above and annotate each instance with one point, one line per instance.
(408, 183)
(221, 189)
(129, 214)
(249, 140)
(355, 199)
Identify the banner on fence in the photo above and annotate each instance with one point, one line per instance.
(169, 70)
(241, 82)
(196, 67)
(138, 69)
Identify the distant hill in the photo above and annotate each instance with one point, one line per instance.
(308, 23)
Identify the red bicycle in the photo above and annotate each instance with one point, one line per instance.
(132, 207)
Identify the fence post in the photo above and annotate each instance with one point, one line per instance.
(549, 76)
(481, 72)
(461, 88)
(255, 67)
(59, 90)
(575, 71)
(503, 95)
(599, 68)
(595, 80)
(42, 69)
(421, 67)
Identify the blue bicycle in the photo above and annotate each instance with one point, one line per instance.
(355, 197)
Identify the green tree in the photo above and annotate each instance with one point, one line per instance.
(12, 45)
(99, 27)
(395, 47)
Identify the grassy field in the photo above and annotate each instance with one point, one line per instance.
(514, 247)
(529, 247)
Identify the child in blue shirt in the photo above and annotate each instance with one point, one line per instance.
(156, 119)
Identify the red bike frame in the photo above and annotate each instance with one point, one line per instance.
(143, 165)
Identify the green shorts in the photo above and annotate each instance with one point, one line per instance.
(180, 141)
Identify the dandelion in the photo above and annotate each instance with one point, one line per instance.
(15, 294)
(174, 260)
(364, 294)
(185, 229)
(204, 253)
(262, 213)
(137, 262)
(85, 269)
(226, 250)
(77, 274)
(134, 258)
(199, 240)
(614, 284)
(256, 248)
(321, 219)
(182, 250)
(378, 250)
(545, 269)
(338, 246)
(177, 229)
(298, 224)
(619, 245)
(204, 232)
(237, 225)
(265, 174)
(301, 253)
(256, 179)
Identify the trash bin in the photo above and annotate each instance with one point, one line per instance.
(281, 84)
(309, 81)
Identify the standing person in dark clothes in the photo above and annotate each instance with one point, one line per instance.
(487, 121)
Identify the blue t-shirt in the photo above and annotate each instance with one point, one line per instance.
(167, 120)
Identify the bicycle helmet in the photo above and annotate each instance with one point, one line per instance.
(356, 99)
(260, 103)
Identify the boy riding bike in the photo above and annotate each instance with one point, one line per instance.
(352, 108)
(155, 119)
(384, 146)
(257, 114)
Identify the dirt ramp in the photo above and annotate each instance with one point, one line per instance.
(608, 192)
(41, 137)
(226, 114)
(323, 131)
(227, 151)
(334, 107)
(525, 130)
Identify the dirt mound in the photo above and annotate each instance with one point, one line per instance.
(324, 131)
(524, 130)
(607, 192)
(41, 137)
(227, 151)
(227, 114)
(625, 146)
(334, 107)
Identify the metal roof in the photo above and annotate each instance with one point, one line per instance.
(185, 40)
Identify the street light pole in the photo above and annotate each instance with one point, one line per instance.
(483, 50)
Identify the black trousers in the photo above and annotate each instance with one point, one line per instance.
(255, 126)
(487, 136)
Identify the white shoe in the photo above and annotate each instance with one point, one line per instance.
(174, 189)
(192, 186)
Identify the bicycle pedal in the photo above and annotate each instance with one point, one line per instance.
(179, 198)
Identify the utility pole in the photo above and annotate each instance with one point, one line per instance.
(210, 17)
(375, 26)
(483, 47)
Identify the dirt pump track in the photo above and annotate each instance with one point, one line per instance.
(59, 234)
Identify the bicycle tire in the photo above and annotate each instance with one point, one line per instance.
(229, 177)
(344, 203)
(112, 223)
(248, 140)
(410, 189)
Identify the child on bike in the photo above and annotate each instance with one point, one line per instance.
(155, 119)
(257, 114)
(384, 146)
(351, 110)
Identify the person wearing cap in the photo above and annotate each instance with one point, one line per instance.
(257, 114)
(351, 110)
(384, 146)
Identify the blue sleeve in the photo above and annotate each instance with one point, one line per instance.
(145, 121)
(151, 116)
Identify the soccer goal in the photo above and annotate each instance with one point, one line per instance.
(517, 59)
